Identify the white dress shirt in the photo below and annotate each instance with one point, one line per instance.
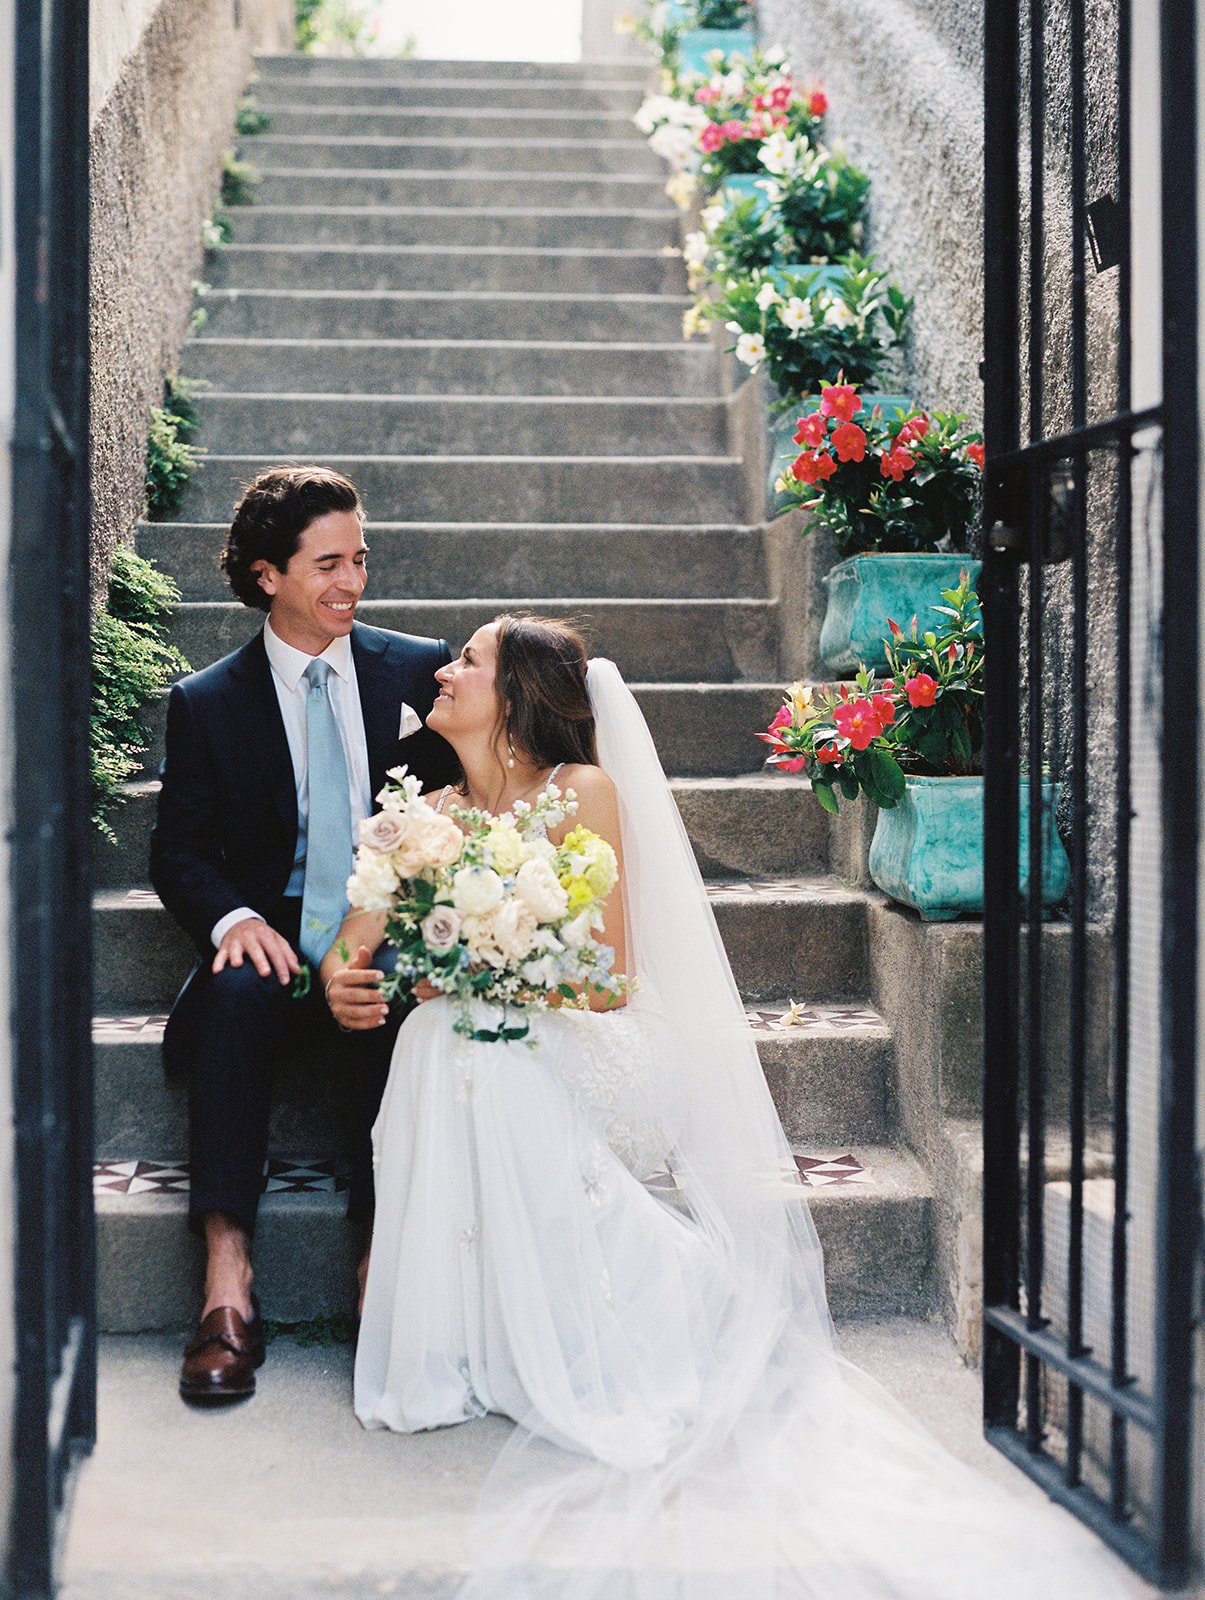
(288, 678)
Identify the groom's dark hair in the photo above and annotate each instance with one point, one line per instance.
(276, 508)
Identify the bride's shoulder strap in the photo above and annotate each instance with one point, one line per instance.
(443, 795)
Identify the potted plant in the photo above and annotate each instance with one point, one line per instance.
(912, 743)
(710, 25)
(900, 493)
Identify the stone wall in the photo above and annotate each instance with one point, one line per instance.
(166, 81)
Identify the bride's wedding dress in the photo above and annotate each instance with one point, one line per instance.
(604, 1237)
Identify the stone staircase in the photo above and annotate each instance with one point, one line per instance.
(458, 284)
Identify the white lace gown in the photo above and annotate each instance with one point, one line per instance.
(519, 1264)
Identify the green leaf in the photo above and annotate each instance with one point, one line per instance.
(566, 991)
(824, 793)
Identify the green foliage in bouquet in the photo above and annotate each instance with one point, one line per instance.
(926, 718)
(804, 326)
(170, 459)
(909, 482)
(131, 666)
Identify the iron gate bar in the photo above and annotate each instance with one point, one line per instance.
(1178, 1195)
(1119, 1258)
(1035, 1075)
(1094, 436)
(1087, 1371)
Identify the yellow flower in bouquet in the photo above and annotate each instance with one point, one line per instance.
(588, 868)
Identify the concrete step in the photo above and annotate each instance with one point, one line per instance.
(830, 1075)
(482, 187)
(427, 266)
(453, 91)
(442, 316)
(298, 424)
(652, 229)
(667, 640)
(450, 151)
(876, 1234)
(702, 730)
(566, 560)
(303, 69)
(445, 367)
(739, 827)
(804, 936)
(536, 488)
(355, 120)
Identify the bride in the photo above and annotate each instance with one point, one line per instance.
(602, 1235)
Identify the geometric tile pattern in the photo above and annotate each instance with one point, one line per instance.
(815, 1171)
(143, 897)
(814, 888)
(790, 1018)
(163, 1177)
(111, 1030)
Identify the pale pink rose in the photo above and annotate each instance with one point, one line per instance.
(432, 841)
(441, 929)
(384, 832)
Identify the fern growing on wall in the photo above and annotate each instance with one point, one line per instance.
(170, 459)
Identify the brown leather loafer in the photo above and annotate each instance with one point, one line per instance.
(220, 1362)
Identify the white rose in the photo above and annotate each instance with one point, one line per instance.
(373, 884)
(576, 933)
(440, 929)
(537, 886)
(476, 891)
(514, 930)
(478, 935)
(384, 831)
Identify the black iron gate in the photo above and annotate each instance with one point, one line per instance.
(1090, 590)
(49, 672)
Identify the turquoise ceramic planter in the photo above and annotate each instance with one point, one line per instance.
(863, 591)
(739, 186)
(783, 449)
(927, 852)
(698, 43)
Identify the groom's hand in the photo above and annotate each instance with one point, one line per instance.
(352, 993)
(257, 941)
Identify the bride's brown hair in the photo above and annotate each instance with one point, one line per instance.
(541, 681)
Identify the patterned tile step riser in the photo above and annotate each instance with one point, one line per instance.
(321, 1177)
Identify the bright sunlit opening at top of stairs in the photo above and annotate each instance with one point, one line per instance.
(483, 30)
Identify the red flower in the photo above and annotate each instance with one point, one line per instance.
(761, 102)
(914, 428)
(710, 138)
(896, 631)
(811, 430)
(813, 466)
(976, 453)
(849, 442)
(858, 722)
(921, 689)
(779, 746)
(782, 719)
(757, 126)
(780, 119)
(895, 463)
(828, 754)
(839, 400)
(952, 652)
(780, 98)
(734, 130)
(884, 709)
(818, 103)
(795, 764)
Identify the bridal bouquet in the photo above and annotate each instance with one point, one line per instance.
(492, 912)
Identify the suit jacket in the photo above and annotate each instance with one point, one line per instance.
(226, 832)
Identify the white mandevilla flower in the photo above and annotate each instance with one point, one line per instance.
(796, 314)
(775, 56)
(767, 296)
(384, 831)
(654, 110)
(694, 249)
(476, 891)
(838, 315)
(374, 883)
(673, 144)
(751, 349)
(682, 188)
(440, 929)
(779, 154)
(732, 85)
(538, 886)
(712, 216)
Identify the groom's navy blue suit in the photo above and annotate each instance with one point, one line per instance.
(226, 837)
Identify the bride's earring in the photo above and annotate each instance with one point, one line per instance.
(510, 760)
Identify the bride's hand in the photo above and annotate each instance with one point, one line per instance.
(424, 989)
(352, 993)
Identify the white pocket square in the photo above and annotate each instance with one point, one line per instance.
(411, 721)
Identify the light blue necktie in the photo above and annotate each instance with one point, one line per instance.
(328, 860)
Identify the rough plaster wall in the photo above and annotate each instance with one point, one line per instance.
(156, 149)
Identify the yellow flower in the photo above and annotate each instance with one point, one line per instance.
(579, 891)
(504, 849)
(625, 23)
(694, 320)
(587, 856)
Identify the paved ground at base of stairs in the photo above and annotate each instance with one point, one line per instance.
(288, 1497)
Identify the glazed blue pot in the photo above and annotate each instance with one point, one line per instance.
(744, 186)
(783, 449)
(863, 591)
(927, 852)
(698, 43)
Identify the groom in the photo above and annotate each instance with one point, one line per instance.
(273, 756)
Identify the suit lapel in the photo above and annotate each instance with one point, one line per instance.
(261, 731)
(380, 688)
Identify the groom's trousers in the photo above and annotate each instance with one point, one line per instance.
(233, 1031)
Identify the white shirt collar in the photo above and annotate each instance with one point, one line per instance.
(289, 664)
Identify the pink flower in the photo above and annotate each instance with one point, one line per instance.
(884, 708)
(781, 720)
(811, 430)
(895, 463)
(818, 103)
(384, 832)
(921, 690)
(828, 754)
(795, 764)
(849, 442)
(976, 454)
(706, 94)
(710, 138)
(839, 400)
(913, 428)
(858, 722)
(734, 130)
